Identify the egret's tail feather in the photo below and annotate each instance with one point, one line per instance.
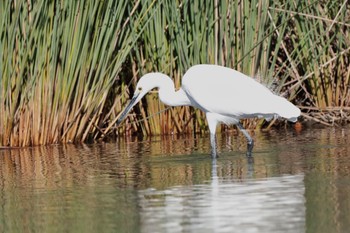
(287, 110)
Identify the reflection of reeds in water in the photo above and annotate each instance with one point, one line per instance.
(43, 186)
(327, 195)
(43, 179)
(129, 162)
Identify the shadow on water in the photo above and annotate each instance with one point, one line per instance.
(298, 182)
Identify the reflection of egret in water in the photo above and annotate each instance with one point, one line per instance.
(250, 168)
(215, 190)
(225, 95)
(273, 204)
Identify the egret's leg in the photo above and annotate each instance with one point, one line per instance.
(214, 174)
(212, 122)
(250, 144)
(213, 145)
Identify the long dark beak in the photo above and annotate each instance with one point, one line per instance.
(127, 109)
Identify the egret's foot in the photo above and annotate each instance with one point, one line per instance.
(250, 166)
(250, 146)
(249, 154)
(250, 160)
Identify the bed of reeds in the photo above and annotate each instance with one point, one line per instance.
(67, 68)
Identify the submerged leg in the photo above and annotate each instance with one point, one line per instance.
(250, 144)
(212, 122)
(213, 145)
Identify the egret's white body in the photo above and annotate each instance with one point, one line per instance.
(224, 94)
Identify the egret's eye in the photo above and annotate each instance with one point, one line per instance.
(140, 88)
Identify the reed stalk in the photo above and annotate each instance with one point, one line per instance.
(60, 61)
(68, 68)
(277, 47)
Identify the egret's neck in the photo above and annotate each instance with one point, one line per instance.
(174, 98)
(169, 96)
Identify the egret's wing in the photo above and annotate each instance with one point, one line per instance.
(228, 92)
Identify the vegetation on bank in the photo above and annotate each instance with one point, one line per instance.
(67, 68)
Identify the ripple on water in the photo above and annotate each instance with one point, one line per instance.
(268, 205)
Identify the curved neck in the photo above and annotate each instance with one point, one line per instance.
(169, 96)
(174, 98)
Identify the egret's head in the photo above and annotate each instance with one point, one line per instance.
(145, 84)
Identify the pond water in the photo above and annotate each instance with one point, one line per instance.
(299, 181)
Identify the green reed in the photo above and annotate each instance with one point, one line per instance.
(69, 67)
(59, 62)
(300, 51)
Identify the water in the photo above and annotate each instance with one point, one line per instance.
(298, 182)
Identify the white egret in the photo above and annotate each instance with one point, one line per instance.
(224, 94)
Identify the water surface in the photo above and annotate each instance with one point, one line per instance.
(298, 182)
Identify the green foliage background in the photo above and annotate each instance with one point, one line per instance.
(67, 68)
